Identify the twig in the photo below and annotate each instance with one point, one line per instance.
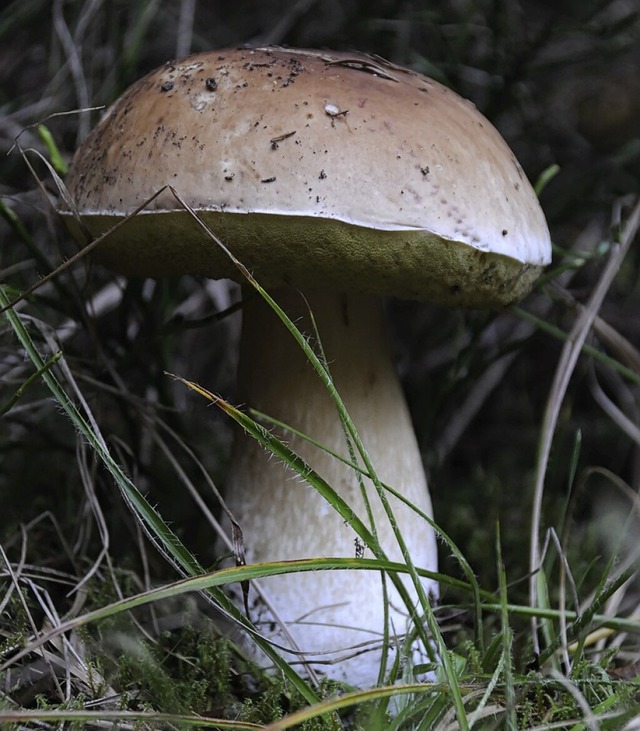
(564, 371)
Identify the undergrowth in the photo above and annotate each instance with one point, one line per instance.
(112, 609)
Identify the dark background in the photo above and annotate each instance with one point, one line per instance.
(560, 80)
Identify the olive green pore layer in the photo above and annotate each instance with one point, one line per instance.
(309, 253)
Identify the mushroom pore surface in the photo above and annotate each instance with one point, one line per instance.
(312, 166)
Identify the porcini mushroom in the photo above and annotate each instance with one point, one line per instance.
(336, 179)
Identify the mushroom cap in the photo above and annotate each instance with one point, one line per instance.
(315, 168)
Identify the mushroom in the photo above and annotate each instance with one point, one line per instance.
(336, 179)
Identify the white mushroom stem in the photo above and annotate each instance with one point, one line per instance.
(336, 618)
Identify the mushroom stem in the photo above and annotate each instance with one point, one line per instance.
(337, 619)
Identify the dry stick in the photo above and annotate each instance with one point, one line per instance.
(613, 411)
(72, 53)
(623, 350)
(184, 35)
(564, 370)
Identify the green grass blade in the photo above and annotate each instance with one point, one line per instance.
(155, 527)
(428, 615)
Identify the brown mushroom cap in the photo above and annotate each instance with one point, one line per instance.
(316, 169)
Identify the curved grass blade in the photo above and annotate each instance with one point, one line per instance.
(162, 537)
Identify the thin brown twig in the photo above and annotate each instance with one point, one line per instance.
(564, 371)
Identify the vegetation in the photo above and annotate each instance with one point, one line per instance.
(111, 610)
